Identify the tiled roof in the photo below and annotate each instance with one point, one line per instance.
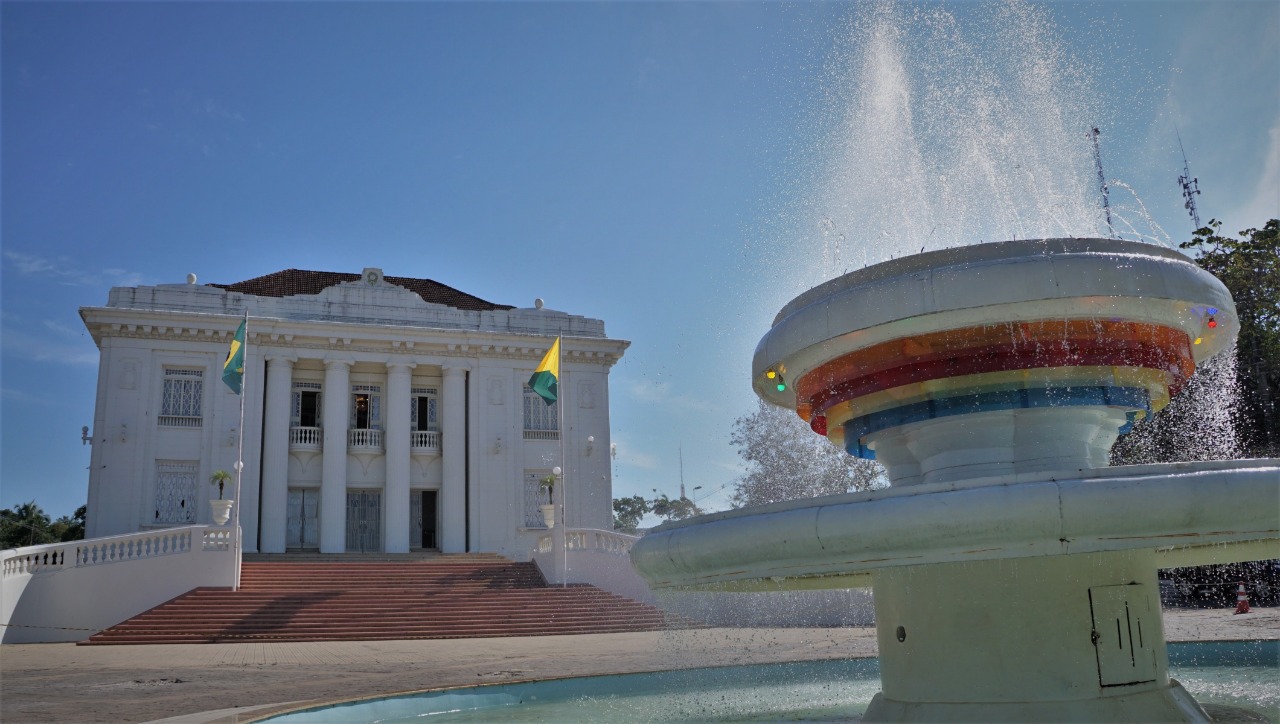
(300, 281)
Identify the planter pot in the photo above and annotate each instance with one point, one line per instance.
(221, 511)
(548, 515)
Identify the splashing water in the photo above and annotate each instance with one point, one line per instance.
(949, 126)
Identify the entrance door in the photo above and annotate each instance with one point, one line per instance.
(364, 521)
(422, 519)
(303, 522)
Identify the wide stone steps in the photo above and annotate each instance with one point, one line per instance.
(437, 597)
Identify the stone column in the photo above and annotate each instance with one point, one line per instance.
(333, 481)
(275, 452)
(453, 431)
(395, 498)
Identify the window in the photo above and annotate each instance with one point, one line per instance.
(541, 421)
(534, 496)
(180, 403)
(175, 492)
(422, 413)
(366, 407)
(306, 404)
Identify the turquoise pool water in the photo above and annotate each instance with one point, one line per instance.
(1236, 681)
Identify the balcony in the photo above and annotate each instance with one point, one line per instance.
(542, 434)
(364, 441)
(424, 442)
(179, 421)
(306, 439)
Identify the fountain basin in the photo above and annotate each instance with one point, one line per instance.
(1014, 575)
(1058, 343)
(1192, 514)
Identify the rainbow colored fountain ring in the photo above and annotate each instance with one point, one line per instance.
(1014, 572)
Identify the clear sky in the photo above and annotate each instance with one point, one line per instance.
(626, 162)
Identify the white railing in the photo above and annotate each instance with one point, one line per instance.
(542, 434)
(67, 591)
(359, 439)
(178, 421)
(592, 539)
(599, 557)
(305, 437)
(424, 441)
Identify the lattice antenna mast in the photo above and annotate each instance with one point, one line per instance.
(1102, 180)
(1190, 185)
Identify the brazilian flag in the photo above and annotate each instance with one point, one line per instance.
(233, 368)
(546, 379)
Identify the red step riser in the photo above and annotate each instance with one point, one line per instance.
(344, 601)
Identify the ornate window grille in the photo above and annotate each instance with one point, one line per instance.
(533, 497)
(541, 421)
(366, 407)
(307, 415)
(422, 413)
(175, 491)
(182, 398)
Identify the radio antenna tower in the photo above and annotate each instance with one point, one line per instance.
(1190, 185)
(1102, 180)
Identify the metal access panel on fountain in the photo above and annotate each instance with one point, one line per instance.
(1124, 634)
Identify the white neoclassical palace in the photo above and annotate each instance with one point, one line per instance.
(380, 414)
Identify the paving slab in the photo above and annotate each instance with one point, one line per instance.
(199, 683)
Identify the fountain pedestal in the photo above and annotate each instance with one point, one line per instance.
(1014, 574)
(1051, 638)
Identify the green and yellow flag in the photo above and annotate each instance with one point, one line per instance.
(546, 379)
(233, 368)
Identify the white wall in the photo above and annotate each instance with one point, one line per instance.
(69, 591)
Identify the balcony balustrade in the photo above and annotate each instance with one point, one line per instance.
(542, 434)
(424, 442)
(305, 439)
(179, 421)
(364, 441)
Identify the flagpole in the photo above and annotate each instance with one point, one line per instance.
(564, 490)
(235, 586)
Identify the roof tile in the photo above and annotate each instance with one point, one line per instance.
(290, 282)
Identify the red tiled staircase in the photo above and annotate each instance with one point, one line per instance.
(465, 596)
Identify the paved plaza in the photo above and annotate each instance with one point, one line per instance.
(238, 682)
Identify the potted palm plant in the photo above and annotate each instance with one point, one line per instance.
(221, 508)
(548, 509)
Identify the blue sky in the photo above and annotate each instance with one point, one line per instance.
(627, 162)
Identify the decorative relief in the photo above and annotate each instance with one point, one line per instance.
(587, 395)
(128, 375)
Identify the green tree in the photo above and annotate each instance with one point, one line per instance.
(1249, 266)
(786, 460)
(627, 513)
(69, 527)
(1196, 425)
(677, 509)
(24, 525)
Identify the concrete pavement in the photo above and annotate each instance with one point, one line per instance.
(238, 682)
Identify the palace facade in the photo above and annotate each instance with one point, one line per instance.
(380, 414)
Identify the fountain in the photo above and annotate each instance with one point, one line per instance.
(1014, 574)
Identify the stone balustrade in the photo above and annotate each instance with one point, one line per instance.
(364, 440)
(66, 591)
(424, 442)
(306, 438)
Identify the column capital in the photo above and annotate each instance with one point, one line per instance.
(400, 365)
(335, 364)
(454, 370)
(280, 359)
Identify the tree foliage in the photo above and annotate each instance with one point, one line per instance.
(786, 460)
(27, 524)
(1249, 266)
(627, 513)
(677, 509)
(1230, 407)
